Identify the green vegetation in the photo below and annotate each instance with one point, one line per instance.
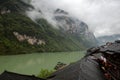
(14, 6)
(10, 23)
(17, 21)
(55, 40)
(44, 73)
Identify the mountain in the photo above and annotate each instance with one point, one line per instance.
(20, 34)
(105, 39)
(74, 26)
(7, 6)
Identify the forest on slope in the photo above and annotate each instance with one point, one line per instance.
(19, 34)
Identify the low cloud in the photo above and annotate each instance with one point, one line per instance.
(102, 16)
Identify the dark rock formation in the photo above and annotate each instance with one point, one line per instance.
(60, 65)
(84, 69)
(100, 63)
(14, 76)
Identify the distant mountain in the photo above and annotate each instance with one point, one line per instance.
(104, 39)
(19, 34)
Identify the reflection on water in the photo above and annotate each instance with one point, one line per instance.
(33, 63)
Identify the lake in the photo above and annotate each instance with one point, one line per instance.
(31, 64)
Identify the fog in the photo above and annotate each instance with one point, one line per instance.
(102, 16)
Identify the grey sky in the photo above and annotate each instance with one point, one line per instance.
(102, 16)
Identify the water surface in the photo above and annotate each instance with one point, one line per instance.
(33, 63)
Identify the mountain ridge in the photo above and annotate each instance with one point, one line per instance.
(19, 34)
(105, 39)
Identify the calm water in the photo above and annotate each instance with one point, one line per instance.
(33, 63)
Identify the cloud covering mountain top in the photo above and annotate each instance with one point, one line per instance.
(102, 16)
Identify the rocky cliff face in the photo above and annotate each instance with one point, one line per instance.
(31, 40)
(73, 25)
(70, 24)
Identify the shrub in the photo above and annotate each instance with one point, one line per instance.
(44, 73)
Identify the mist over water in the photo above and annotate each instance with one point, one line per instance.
(102, 16)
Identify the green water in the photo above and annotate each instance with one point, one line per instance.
(33, 63)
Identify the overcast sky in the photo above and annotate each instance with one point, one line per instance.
(102, 16)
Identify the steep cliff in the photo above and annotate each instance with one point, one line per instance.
(74, 26)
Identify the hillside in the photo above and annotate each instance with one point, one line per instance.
(19, 34)
(16, 6)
